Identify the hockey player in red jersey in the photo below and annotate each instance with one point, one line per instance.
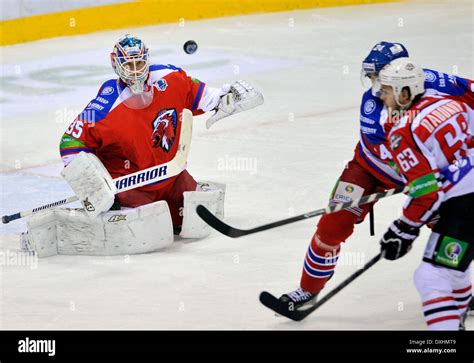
(133, 124)
(430, 146)
(368, 172)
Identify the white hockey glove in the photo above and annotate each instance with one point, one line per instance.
(91, 183)
(241, 97)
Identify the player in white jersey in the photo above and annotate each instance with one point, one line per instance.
(431, 143)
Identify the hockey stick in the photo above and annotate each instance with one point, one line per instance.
(273, 303)
(230, 231)
(140, 178)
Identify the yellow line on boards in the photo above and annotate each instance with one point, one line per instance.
(146, 12)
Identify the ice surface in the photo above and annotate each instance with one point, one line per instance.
(288, 154)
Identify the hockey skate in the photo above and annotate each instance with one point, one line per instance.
(469, 312)
(297, 300)
(295, 305)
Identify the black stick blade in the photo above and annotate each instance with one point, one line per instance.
(230, 231)
(233, 232)
(217, 224)
(273, 303)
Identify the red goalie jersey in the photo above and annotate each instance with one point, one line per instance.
(432, 149)
(127, 140)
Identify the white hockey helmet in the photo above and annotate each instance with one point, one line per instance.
(401, 73)
(130, 62)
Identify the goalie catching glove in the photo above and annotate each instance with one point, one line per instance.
(397, 241)
(236, 98)
(91, 182)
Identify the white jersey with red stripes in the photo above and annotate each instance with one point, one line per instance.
(373, 151)
(429, 142)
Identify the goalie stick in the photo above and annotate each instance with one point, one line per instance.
(273, 303)
(233, 232)
(140, 178)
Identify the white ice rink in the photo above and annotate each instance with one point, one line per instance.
(280, 159)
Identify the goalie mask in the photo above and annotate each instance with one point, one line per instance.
(131, 63)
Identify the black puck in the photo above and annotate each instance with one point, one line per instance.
(190, 47)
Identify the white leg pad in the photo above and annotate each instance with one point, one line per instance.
(130, 231)
(193, 226)
(41, 236)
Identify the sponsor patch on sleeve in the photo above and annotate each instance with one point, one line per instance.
(425, 185)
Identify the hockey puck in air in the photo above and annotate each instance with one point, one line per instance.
(190, 47)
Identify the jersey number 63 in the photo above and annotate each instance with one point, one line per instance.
(407, 159)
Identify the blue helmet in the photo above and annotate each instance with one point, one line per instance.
(381, 55)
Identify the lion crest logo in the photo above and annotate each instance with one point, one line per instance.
(164, 129)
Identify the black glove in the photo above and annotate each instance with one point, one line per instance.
(397, 241)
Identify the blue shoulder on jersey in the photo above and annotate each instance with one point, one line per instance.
(100, 106)
(371, 106)
(445, 83)
(370, 110)
(158, 67)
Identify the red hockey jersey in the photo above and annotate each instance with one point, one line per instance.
(127, 140)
